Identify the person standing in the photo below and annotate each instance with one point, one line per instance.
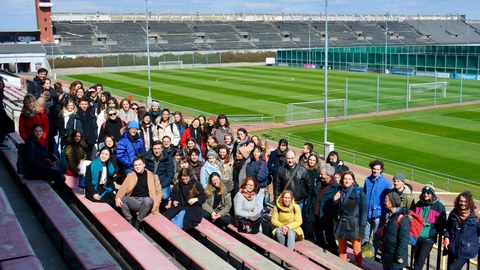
(462, 232)
(351, 212)
(34, 87)
(376, 187)
(403, 190)
(84, 120)
(324, 210)
(299, 184)
(6, 122)
(434, 216)
(396, 233)
(140, 193)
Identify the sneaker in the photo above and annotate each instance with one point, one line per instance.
(4, 146)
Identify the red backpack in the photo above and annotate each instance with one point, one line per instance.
(416, 226)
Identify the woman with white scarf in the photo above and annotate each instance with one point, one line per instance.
(68, 110)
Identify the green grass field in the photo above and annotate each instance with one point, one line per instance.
(442, 140)
(268, 90)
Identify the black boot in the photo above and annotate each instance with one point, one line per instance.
(137, 224)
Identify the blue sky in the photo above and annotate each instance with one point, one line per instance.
(20, 15)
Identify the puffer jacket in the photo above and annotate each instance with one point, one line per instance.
(351, 214)
(300, 185)
(395, 239)
(259, 171)
(128, 148)
(164, 168)
(463, 236)
(376, 190)
(434, 217)
(290, 216)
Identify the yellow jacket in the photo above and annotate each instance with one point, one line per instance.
(154, 188)
(290, 216)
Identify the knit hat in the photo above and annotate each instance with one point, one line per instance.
(429, 188)
(245, 151)
(211, 152)
(155, 102)
(394, 198)
(212, 117)
(399, 176)
(133, 124)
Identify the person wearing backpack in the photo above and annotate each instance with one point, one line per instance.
(434, 215)
(396, 234)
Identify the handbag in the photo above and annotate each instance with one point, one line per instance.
(246, 225)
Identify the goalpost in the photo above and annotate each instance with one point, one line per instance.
(423, 87)
(170, 65)
(314, 110)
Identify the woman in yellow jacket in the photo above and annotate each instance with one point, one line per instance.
(287, 220)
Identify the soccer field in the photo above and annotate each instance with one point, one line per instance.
(444, 140)
(267, 91)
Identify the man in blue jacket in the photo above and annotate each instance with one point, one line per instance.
(130, 146)
(161, 164)
(376, 188)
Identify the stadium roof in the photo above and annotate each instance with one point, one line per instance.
(21, 48)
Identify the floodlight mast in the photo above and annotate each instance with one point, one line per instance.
(149, 101)
(325, 92)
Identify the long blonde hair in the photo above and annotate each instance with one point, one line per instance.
(209, 190)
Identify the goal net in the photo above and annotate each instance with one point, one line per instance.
(314, 110)
(170, 65)
(357, 67)
(424, 89)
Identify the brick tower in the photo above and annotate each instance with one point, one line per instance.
(43, 10)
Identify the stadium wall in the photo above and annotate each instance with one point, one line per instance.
(451, 59)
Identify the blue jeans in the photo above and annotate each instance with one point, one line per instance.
(371, 228)
(165, 193)
(178, 219)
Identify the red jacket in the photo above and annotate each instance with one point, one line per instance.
(25, 126)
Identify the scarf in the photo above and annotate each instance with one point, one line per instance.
(29, 114)
(45, 105)
(67, 114)
(281, 155)
(345, 193)
(41, 141)
(96, 168)
(248, 195)
(463, 214)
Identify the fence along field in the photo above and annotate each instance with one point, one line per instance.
(267, 91)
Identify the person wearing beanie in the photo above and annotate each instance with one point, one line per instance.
(403, 189)
(130, 146)
(434, 216)
(210, 125)
(395, 234)
(155, 111)
(209, 167)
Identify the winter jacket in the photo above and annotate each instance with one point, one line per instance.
(351, 212)
(205, 172)
(259, 171)
(275, 161)
(226, 169)
(463, 236)
(74, 153)
(219, 133)
(147, 135)
(111, 128)
(434, 217)
(35, 156)
(324, 207)
(181, 194)
(163, 167)
(290, 216)
(169, 130)
(128, 148)
(375, 191)
(76, 122)
(94, 170)
(25, 125)
(154, 188)
(34, 87)
(395, 239)
(407, 197)
(224, 207)
(300, 185)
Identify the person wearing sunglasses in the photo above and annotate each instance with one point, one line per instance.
(112, 126)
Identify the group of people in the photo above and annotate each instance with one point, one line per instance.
(149, 160)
